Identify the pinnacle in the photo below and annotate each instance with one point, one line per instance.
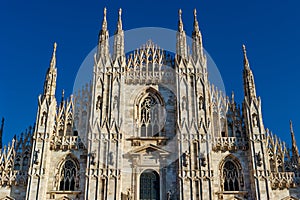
(180, 23)
(246, 62)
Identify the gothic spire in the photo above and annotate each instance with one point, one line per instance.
(53, 59)
(294, 145)
(50, 81)
(120, 20)
(119, 38)
(196, 24)
(103, 46)
(197, 40)
(1, 132)
(246, 62)
(181, 47)
(104, 22)
(249, 85)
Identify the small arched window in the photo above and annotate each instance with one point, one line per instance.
(231, 176)
(68, 176)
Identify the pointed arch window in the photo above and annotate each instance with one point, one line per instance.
(68, 176)
(232, 177)
(150, 116)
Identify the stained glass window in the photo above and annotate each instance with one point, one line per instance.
(68, 176)
(149, 117)
(231, 177)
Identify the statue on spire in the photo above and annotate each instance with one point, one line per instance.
(197, 41)
(246, 62)
(180, 23)
(196, 25)
(119, 38)
(103, 46)
(104, 23)
(120, 20)
(53, 59)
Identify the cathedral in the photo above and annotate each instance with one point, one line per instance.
(149, 126)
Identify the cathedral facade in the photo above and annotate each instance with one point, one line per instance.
(150, 126)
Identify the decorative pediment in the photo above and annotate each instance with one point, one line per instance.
(149, 149)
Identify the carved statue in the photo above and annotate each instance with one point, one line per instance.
(99, 103)
(169, 195)
(201, 103)
(258, 159)
(129, 196)
(255, 120)
(185, 158)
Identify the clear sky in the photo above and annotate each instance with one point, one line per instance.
(270, 29)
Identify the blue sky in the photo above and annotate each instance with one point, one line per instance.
(270, 30)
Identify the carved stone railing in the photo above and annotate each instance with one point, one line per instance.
(66, 143)
(229, 144)
(150, 77)
(282, 180)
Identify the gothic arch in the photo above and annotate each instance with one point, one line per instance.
(67, 174)
(231, 174)
(149, 116)
(145, 91)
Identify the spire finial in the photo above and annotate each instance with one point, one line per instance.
(1, 132)
(120, 20)
(63, 94)
(246, 62)
(294, 144)
(196, 26)
(54, 47)
(104, 23)
(291, 126)
(53, 59)
(232, 96)
(180, 24)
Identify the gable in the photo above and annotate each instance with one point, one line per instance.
(149, 149)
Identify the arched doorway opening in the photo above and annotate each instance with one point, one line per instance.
(149, 185)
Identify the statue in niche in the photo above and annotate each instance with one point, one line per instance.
(259, 159)
(43, 119)
(99, 103)
(183, 103)
(115, 103)
(201, 103)
(185, 158)
(254, 120)
(169, 195)
(77, 181)
(57, 181)
(129, 197)
(111, 158)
